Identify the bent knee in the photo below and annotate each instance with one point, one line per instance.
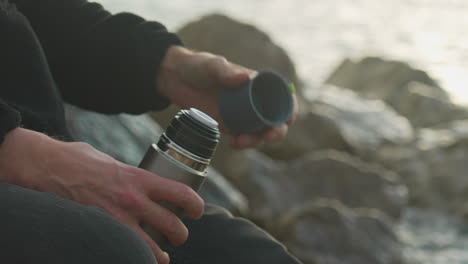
(55, 230)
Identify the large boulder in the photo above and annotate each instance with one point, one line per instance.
(127, 137)
(327, 232)
(411, 92)
(273, 187)
(378, 78)
(239, 42)
(340, 119)
(229, 161)
(434, 167)
(424, 108)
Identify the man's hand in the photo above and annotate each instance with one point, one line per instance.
(195, 79)
(78, 172)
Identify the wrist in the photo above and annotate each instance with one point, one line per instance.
(22, 155)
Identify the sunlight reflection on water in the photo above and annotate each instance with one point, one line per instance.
(429, 34)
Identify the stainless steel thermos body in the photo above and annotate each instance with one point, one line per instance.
(182, 154)
(158, 162)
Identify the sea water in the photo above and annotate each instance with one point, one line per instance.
(318, 34)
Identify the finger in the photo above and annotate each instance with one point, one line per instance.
(270, 135)
(164, 221)
(161, 256)
(162, 189)
(233, 141)
(245, 141)
(276, 133)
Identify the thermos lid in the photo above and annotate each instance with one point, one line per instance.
(203, 118)
(195, 132)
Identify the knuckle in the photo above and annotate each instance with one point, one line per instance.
(131, 200)
(217, 61)
(139, 177)
(186, 194)
(222, 61)
(203, 54)
(81, 145)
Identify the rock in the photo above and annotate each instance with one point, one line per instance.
(273, 187)
(311, 131)
(340, 119)
(127, 137)
(123, 137)
(432, 236)
(164, 117)
(267, 186)
(434, 167)
(230, 162)
(377, 78)
(219, 191)
(240, 43)
(327, 232)
(424, 108)
(411, 92)
(343, 177)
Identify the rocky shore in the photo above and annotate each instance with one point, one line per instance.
(378, 137)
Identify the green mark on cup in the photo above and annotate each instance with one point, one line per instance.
(292, 88)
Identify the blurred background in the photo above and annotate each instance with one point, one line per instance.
(318, 34)
(375, 169)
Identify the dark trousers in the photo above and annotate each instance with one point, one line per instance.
(38, 227)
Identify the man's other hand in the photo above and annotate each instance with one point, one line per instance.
(195, 79)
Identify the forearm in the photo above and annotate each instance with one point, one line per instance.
(100, 61)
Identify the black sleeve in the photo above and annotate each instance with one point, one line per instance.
(102, 62)
(9, 119)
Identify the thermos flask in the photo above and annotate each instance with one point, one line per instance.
(182, 154)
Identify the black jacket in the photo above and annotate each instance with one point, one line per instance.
(98, 61)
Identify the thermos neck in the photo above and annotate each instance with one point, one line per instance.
(182, 156)
(190, 139)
